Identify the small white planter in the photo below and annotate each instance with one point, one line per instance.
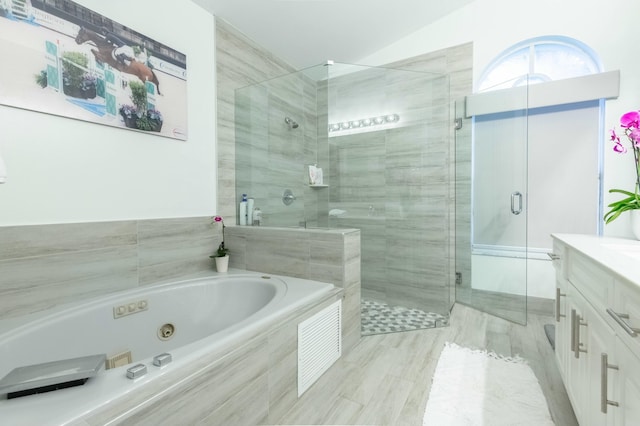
(222, 263)
(635, 223)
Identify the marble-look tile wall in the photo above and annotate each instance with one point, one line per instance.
(327, 255)
(440, 237)
(240, 62)
(457, 63)
(42, 266)
(393, 183)
(270, 154)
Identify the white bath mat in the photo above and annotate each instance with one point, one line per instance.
(472, 387)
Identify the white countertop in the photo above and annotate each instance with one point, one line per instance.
(620, 256)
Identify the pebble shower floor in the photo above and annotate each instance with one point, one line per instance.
(379, 318)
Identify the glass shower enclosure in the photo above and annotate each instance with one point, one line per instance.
(382, 139)
(492, 204)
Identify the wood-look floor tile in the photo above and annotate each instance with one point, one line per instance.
(386, 379)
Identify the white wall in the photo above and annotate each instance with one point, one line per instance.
(494, 25)
(62, 170)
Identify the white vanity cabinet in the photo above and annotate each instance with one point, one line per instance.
(562, 321)
(628, 386)
(597, 327)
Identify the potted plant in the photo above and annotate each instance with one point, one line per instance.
(221, 256)
(630, 122)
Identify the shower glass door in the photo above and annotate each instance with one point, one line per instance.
(382, 137)
(276, 139)
(389, 177)
(497, 190)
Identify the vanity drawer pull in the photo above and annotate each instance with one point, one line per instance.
(558, 296)
(579, 347)
(604, 378)
(573, 330)
(631, 331)
(553, 256)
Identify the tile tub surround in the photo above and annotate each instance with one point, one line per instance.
(253, 382)
(42, 266)
(327, 255)
(61, 263)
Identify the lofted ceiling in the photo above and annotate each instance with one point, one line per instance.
(310, 32)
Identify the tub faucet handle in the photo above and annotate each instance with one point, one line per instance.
(136, 371)
(162, 359)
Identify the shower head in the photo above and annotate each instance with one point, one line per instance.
(292, 124)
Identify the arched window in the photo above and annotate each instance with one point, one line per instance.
(539, 59)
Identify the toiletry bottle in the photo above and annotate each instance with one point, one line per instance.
(250, 203)
(319, 177)
(242, 220)
(257, 217)
(312, 175)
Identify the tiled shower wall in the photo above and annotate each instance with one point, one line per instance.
(271, 155)
(457, 63)
(417, 180)
(240, 62)
(448, 182)
(393, 183)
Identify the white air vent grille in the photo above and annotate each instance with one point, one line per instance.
(319, 344)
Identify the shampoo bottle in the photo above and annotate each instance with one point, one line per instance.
(250, 202)
(242, 220)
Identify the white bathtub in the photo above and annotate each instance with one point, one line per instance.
(208, 314)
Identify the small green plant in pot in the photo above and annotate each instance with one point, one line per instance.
(221, 255)
(222, 250)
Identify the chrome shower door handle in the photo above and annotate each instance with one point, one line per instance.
(516, 196)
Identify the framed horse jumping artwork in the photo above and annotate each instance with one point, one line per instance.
(62, 58)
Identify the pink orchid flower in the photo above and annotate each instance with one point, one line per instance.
(217, 218)
(614, 136)
(630, 120)
(634, 135)
(618, 147)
